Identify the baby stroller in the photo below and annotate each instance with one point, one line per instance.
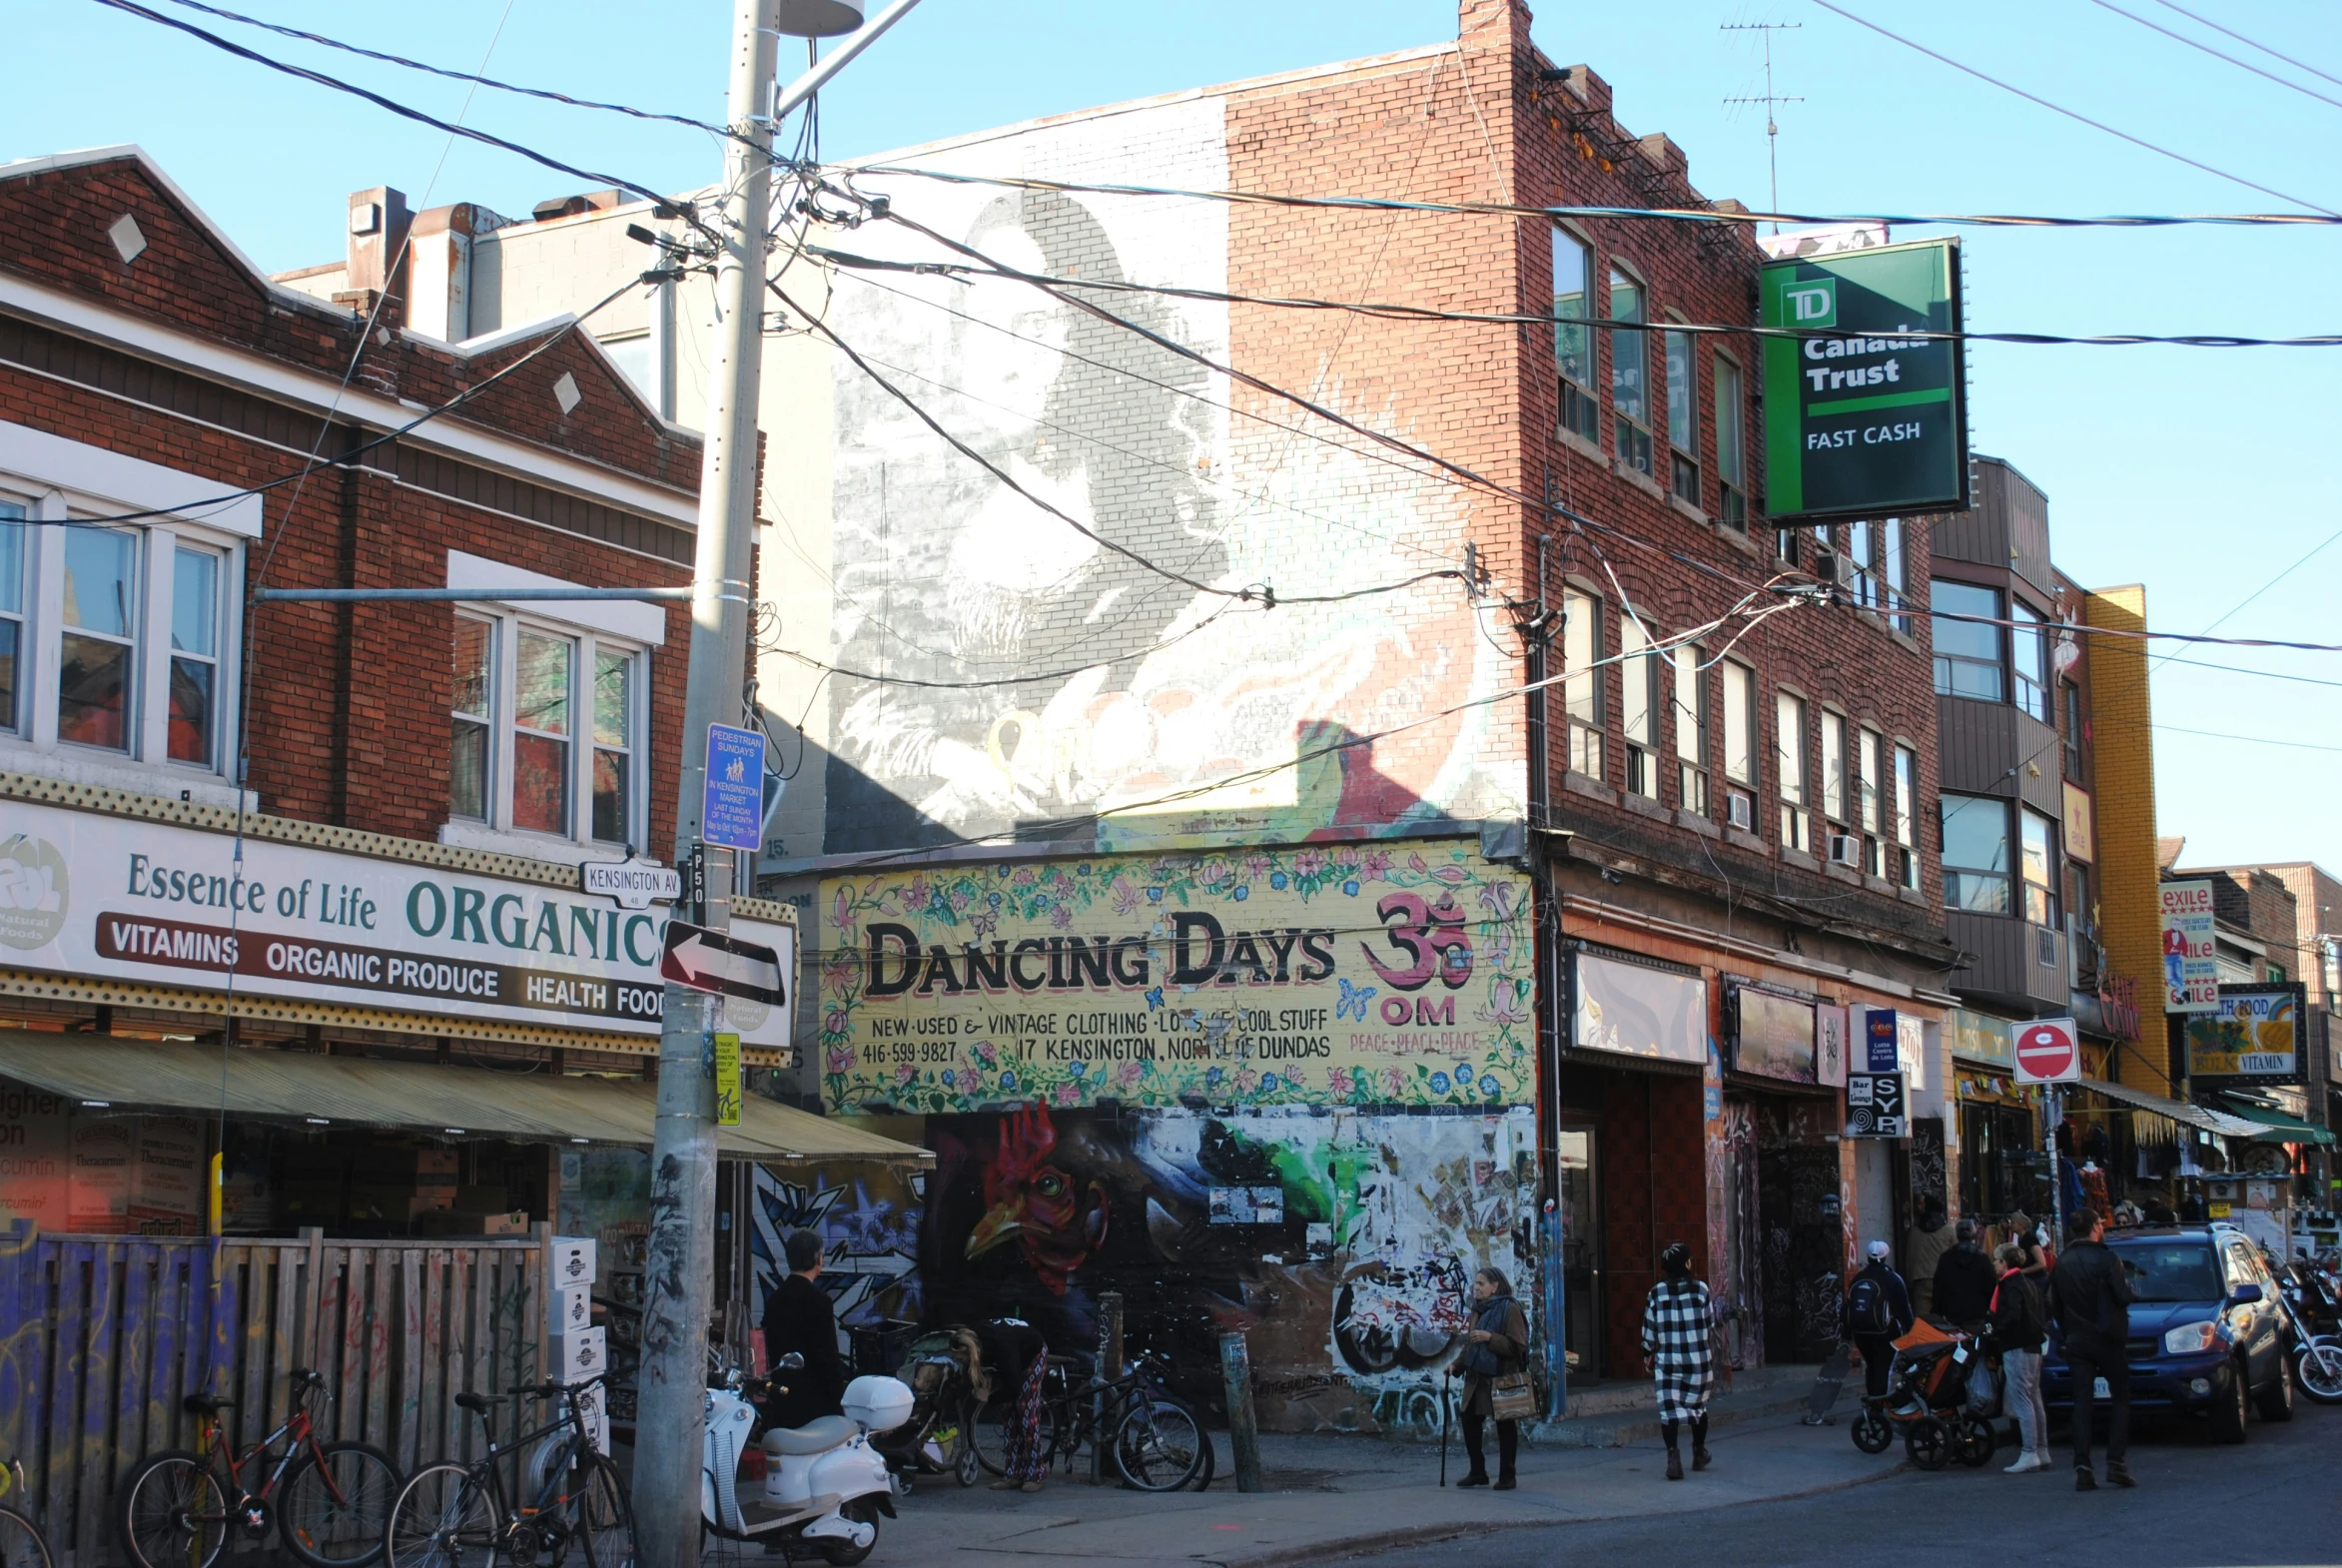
(1940, 1396)
(942, 1369)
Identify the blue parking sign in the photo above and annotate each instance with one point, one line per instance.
(731, 811)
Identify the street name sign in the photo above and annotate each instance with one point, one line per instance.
(634, 884)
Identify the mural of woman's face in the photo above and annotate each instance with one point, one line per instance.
(1011, 371)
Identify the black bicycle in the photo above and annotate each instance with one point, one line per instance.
(1154, 1438)
(566, 1497)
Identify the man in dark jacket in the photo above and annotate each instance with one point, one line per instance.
(2090, 1295)
(1965, 1281)
(798, 1316)
(1877, 1313)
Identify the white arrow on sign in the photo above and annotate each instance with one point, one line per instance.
(712, 961)
(709, 963)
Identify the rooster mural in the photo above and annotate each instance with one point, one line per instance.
(1056, 1216)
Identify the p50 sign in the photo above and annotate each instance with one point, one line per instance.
(1863, 416)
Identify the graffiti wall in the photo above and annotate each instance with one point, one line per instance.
(866, 1217)
(1369, 975)
(1042, 615)
(1341, 1243)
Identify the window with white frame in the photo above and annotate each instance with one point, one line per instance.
(1573, 345)
(545, 729)
(1867, 787)
(1683, 420)
(1691, 731)
(2028, 657)
(1630, 372)
(1581, 688)
(1732, 458)
(1907, 816)
(12, 639)
(116, 640)
(1833, 766)
(1789, 767)
(1740, 745)
(1638, 666)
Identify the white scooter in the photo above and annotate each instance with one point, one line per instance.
(824, 1485)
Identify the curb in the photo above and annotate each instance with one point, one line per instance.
(1428, 1534)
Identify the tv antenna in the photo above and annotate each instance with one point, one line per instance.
(1769, 98)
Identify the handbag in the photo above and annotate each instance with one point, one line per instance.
(1510, 1398)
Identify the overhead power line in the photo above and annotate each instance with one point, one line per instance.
(2320, 218)
(2095, 125)
(2193, 43)
(1388, 311)
(2274, 54)
(2253, 741)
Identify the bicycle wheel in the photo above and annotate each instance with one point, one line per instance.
(334, 1512)
(21, 1543)
(599, 1516)
(173, 1513)
(1160, 1445)
(441, 1519)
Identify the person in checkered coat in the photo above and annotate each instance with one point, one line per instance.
(1679, 1354)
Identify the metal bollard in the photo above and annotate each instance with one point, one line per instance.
(1243, 1427)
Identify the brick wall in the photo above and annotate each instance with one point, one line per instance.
(349, 706)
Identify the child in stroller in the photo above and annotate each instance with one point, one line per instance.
(1940, 1396)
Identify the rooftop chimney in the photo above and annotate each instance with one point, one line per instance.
(378, 222)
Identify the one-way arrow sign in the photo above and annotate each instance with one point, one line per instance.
(711, 961)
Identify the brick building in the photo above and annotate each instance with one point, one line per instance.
(1618, 931)
(394, 889)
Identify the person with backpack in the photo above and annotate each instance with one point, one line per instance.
(1878, 1312)
(2092, 1296)
(2018, 1327)
(1679, 1322)
(1964, 1280)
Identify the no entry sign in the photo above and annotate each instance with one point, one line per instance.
(2047, 1052)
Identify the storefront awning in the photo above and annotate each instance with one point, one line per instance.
(2276, 1126)
(2175, 1110)
(302, 1088)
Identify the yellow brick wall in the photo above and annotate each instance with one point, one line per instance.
(2122, 721)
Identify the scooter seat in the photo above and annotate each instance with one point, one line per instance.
(816, 1436)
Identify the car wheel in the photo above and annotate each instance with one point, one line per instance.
(2228, 1415)
(2277, 1400)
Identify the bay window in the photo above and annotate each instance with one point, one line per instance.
(1975, 854)
(543, 727)
(2039, 866)
(2029, 658)
(1967, 652)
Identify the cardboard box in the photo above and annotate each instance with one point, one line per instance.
(573, 1261)
(571, 1358)
(572, 1308)
(457, 1222)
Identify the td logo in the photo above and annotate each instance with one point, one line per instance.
(1812, 302)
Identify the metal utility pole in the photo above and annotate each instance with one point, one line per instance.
(679, 1272)
(1766, 30)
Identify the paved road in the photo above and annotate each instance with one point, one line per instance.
(2272, 1501)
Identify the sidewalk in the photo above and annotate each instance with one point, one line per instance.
(1329, 1496)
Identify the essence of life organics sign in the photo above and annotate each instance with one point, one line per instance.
(1861, 419)
(1372, 974)
(92, 896)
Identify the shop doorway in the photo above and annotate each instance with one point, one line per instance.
(1581, 1247)
(1797, 1197)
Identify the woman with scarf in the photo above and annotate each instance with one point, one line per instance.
(1496, 1345)
(1678, 1352)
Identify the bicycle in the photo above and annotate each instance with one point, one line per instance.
(326, 1501)
(452, 1515)
(22, 1545)
(1156, 1442)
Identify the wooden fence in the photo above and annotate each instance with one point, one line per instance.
(101, 1336)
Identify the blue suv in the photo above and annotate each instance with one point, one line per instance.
(2207, 1328)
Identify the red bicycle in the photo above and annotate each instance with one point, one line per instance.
(328, 1502)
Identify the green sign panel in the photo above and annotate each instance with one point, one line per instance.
(1862, 420)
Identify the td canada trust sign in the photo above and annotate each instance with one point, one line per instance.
(95, 897)
(1864, 418)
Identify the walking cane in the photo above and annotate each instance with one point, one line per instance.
(1445, 1373)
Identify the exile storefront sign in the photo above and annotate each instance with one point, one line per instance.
(2191, 972)
(101, 897)
(1371, 975)
(2254, 1038)
(1861, 417)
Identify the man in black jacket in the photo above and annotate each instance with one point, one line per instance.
(1965, 1281)
(1876, 1313)
(798, 1316)
(2091, 1297)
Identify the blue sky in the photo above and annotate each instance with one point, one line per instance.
(2195, 471)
